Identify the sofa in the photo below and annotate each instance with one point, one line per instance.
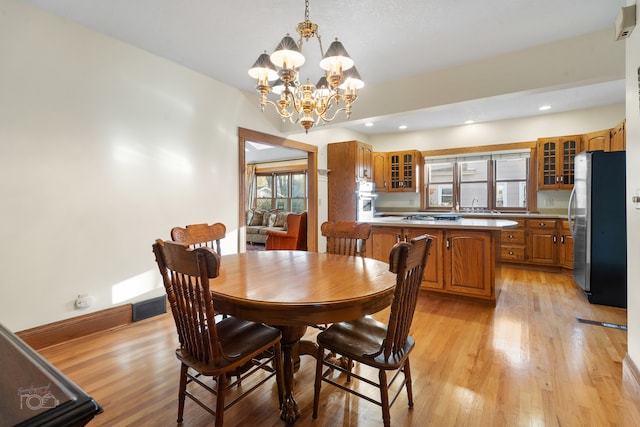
(259, 221)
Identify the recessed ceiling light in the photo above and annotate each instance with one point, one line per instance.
(402, 127)
(468, 122)
(368, 124)
(545, 107)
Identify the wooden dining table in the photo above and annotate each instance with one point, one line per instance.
(295, 289)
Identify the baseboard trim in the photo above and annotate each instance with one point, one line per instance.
(631, 373)
(76, 327)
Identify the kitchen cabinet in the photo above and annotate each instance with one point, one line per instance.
(618, 137)
(380, 171)
(566, 245)
(513, 243)
(461, 262)
(433, 273)
(556, 161)
(348, 162)
(382, 240)
(598, 141)
(542, 241)
(404, 170)
(469, 266)
(364, 171)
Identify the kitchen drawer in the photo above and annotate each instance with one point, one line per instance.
(512, 253)
(512, 237)
(542, 223)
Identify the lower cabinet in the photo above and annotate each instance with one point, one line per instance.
(469, 263)
(566, 245)
(461, 262)
(542, 241)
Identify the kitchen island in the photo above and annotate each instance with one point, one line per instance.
(462, 259)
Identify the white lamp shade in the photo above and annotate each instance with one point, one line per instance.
(352, 80)
(336, 58)
(287, 54)
(263, 68)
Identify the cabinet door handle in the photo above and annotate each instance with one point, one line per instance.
(406, 237)
(398, 238)
(562, 239)
(511, 236)
(510, 252)
(555, 239)
(542, 224)
(448, 244)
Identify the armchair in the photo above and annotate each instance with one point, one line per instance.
(293, 238)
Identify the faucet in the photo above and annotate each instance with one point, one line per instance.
(474, 204)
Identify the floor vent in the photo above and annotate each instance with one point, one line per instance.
(149, 308)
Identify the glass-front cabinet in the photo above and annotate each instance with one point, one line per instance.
(556, 161)
(404, 169)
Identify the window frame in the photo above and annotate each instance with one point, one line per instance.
(274, 194)
(466, 156)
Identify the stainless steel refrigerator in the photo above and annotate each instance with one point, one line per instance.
(598, 221)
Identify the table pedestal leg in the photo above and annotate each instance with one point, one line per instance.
(290, 337)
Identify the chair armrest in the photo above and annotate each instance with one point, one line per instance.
(278, 233)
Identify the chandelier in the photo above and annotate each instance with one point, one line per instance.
(306, 103)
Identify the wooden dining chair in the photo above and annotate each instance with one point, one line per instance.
(385, 347)
(198, 235)
(346, 238)
(207, 348)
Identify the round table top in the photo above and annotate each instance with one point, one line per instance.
(301, 288)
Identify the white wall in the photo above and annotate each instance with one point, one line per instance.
(633, 183)
(104, 148)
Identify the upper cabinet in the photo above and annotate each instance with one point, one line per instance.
(598, 141)
(556, 161)
(364, 171)
(618, 137)
(606, 140)
(380, 171)
(404, 170)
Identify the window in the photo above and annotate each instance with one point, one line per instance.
(285, 191)
(494, 181)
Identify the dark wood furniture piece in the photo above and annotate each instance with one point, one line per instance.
(207, 348)
(385, 347)
(295, 289)
(346, 238)
(34, 393)
(198, 235)
(293, 238)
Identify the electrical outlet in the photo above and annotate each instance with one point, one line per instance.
(84, 301)
(548, 202)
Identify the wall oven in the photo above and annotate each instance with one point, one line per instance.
(365, 201)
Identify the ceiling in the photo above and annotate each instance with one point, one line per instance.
(389, 40)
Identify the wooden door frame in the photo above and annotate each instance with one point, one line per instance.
(245, 135)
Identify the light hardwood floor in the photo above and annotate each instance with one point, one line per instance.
(526, 362)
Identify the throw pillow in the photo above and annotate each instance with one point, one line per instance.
(281, 219)
(271, 220)
(257, 218)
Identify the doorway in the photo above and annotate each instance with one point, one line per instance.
(246, 135)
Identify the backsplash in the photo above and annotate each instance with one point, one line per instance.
(548, 201)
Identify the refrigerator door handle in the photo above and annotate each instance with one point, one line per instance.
(570, 208)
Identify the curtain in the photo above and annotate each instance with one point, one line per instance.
(250, 184)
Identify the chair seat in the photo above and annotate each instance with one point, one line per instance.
(360, 339)
(240, 339)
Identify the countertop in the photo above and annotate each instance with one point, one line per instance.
(464, 223)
